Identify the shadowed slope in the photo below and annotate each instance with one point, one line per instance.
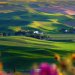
(21, 50)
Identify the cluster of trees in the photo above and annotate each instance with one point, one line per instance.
(34, 34)
(28, 33)
(5, 34)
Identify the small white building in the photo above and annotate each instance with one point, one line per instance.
(36, 32)
(66, 30)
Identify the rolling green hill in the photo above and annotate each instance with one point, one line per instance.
(25, 16)
(24, 20)
(18, 50)
(21, 51)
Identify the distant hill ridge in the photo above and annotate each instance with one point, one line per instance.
(47, 17)
(25, 20)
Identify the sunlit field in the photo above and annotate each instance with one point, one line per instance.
(20, 54)
(37, 37)
(24, 20)
(18, 50)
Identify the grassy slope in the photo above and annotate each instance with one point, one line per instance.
(32, 19)
(24, 50)
(52, 22)
(49, 23)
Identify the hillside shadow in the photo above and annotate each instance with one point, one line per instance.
(32, 50)
(25, 18)
(24, 15)
(22, 61)
(19, 18)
